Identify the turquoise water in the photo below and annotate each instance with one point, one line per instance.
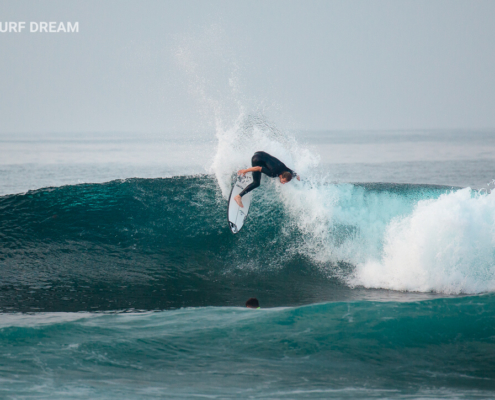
(161, 243)
(375, 279)
(430, 349)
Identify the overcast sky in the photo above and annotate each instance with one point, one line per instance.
(163, 66)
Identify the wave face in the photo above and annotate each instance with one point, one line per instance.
(164, 243)
(429, 349)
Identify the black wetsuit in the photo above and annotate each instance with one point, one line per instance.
(270, 166)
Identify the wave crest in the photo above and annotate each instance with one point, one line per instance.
(445, 245)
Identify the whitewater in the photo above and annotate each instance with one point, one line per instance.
(120, 278)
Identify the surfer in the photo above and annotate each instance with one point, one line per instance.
(253, 303)
(269, 165)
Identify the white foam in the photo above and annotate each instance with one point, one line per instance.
(41, 319)
(446, 245)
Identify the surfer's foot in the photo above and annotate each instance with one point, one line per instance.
(238, 200)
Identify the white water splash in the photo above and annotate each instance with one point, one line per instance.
(446, 245)
(443, 245)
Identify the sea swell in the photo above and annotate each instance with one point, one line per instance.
(162, 243)
(360, 349)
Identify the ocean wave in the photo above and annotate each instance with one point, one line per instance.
(154, 243)
(301, 351)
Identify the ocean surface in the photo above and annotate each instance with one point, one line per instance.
(119, 277)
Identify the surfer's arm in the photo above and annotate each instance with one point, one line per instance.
(252, 169)
(294, 174)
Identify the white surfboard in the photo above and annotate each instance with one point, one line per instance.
(235, 214)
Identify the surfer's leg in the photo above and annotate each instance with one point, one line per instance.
(253, 185)
(256, 161)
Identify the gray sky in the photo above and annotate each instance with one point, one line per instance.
(162, 66)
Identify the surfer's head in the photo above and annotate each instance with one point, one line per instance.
(285, 177)
(253, 303)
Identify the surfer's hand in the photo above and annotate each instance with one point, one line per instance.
(241, 172)
(298, 177)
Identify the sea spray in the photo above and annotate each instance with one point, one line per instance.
(241, 124)
(445, 245)
(393, 238)
(249, 134)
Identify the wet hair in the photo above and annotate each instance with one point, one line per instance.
(287, 176)
(252, 303)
